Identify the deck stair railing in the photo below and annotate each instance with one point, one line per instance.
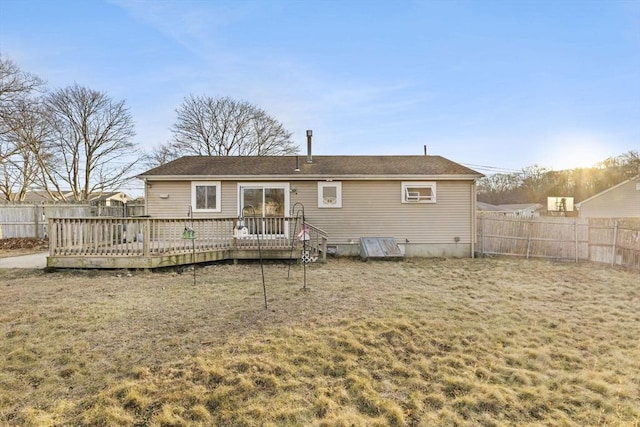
(316, 245)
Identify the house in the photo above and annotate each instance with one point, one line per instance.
(108, 198)
(426, 203)
(42, 196)
(619, 201)
(522, 210)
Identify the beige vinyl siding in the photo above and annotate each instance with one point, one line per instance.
(374, 208)
(619, 202)
(176, 205)
(369, 208)
(179, 200)
(229, 199)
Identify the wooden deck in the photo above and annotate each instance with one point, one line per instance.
(146, 243)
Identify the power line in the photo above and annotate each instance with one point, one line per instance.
(491, 168)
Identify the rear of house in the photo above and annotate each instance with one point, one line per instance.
(427, 203)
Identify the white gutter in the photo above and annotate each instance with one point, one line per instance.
(298, 177)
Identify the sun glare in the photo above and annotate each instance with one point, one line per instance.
(574, 151)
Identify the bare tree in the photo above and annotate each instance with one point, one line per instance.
(16, 129)
(92, 140)
(160, 155)
(15, 84)
(208, 126)
(630, 163)
(28, 132)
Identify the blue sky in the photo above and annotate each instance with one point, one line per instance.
(500, 83)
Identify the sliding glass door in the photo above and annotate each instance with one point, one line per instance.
(269, 202)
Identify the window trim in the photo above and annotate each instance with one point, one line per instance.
(338, 186)
(406, 197)
(218, 186)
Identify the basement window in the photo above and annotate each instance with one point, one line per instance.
(329, 194)
(205, 196)
(418, 192)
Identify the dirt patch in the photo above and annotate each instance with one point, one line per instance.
(22, 246)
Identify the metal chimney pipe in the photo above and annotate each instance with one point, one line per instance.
(309, 156)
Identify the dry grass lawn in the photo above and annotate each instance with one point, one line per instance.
(415, 343)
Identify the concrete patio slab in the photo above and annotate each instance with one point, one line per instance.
(38, 260)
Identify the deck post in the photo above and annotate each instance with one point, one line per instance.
(53, 236)
(146, 236)
(235, 250)
(324, 248)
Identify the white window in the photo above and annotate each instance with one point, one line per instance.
(329, 194)
(205, 196)
(418, 192)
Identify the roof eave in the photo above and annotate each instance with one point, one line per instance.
(304, 177)
(595, 196)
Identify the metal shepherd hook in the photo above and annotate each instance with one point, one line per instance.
(192, 235)
(304, 241)
(264, 287)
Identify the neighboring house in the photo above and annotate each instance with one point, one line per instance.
(111, 198)
(427, 203)
(522, 210)
(619, 201)
(41, 196)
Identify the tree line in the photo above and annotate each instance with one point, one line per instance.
(534, 183)
(75, 141)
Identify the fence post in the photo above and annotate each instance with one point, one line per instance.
(35, 221)
(575, 235)
(530, 226)
(615, 239)
(482, 232)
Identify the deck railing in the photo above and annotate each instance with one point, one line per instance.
(165, 236)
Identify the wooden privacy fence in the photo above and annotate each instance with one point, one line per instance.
(615, 241)
(604, 240)
(30, 220)
(22, 220)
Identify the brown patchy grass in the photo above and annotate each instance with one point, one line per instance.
(421, 342)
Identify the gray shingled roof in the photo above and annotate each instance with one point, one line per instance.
(321, 166)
